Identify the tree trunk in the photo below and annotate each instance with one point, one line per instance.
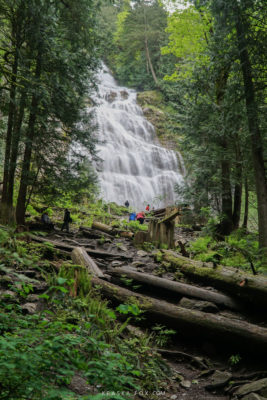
(238, 185)
(233, 332)
(148, 58)
(6, 209)
(252, 290)
(14, 149)
(24, 180)
(245, 220)
(177, 288)
(254, 129)
(79, 256)
(150, 63)
(237, 204)
(226, 225)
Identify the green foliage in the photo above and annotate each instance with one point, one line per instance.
(234, 359)
(240, 250)
(77, 333)
(162, 335)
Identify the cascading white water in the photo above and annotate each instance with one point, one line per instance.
(135, 167)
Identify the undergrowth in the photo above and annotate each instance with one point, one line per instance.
(76, 333)
(240, 250)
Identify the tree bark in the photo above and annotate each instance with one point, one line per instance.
(238, 186)
(245, 220)
(177, 288)
(254, 129)
(192, 323)
(79, 256)
(14, 148)
(6, 212)
(24, 180)
(248, 288)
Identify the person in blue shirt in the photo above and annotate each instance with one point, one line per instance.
(132, 216)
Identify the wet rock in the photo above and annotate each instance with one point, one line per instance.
(29, 308)
(8, 295)
(33, 298)
(219, 379)
(124, 94)
(79, 385)
(5, 281)
(137, 264)
(185, 384)
(122, 247)
(40, 287)
(116, 263)
(174, 397)
(205, 306)
(259, 387)
(142, 253)
(253, 396)
(111, 96)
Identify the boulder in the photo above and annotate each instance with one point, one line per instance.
(219, 379)
(253, 396)
(29, 308)
(259, 387)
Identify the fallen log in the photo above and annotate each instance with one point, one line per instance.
(102, 227)
(67, 247)
(111, 231)
(241, 285)
(174, 287)
(233, 332)
(79, 256)
(93, 234)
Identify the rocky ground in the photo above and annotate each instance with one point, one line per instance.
(198, 370)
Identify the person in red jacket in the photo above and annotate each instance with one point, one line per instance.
(140, 217)
(147, 207)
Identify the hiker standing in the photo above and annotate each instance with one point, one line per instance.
(67, 220)
(127, 203)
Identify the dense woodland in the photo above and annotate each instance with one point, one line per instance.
(204, 61)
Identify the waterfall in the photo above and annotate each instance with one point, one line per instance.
(134, 166)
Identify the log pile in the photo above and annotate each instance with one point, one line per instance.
(218, 328)
(249, 288)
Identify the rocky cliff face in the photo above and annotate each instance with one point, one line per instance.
(161, 116)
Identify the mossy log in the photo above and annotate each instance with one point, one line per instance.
(252, 289)
(233, 332)
(79, 256)
(172, 287)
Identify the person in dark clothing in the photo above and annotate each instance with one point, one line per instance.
(127, 203)
(67, 220)
(46, 221)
